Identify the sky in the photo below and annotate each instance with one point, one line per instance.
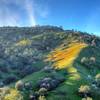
(82, 15)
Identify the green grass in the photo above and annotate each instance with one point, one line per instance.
(71, 85)
(68, 90)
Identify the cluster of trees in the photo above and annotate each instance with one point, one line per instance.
(27, 91)
(90, 39)
(31, 30)
(88, 92)
(10, 94)
(89, 62)
(20, 49)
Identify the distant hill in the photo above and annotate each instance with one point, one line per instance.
(50, 62)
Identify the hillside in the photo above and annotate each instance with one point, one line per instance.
(48, 63)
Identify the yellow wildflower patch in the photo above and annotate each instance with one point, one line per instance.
(14, 95)
(24, 42)
(64, 58)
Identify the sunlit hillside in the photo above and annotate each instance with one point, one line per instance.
(48, 63)
(63, 57)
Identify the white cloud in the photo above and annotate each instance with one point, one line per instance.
(7, 18)
(31, 8)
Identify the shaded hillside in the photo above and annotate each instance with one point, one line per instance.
(51, 63)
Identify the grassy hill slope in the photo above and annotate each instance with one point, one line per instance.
(68, 59)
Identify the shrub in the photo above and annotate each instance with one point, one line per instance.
(88, 98)
(19, 85)
(92, 59)
(95, 92)
(3, 69)
(48, 69)
(3, 92)
(9, 79)
(28, 70)
(89, 62)
(14, 95)
(83, 60)
(33, 96)
(50, 82)
(6, 90)
(28, 85)
(97, 79)
(42, 98)
(1, 84)
(84, 90)
(42, 91)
